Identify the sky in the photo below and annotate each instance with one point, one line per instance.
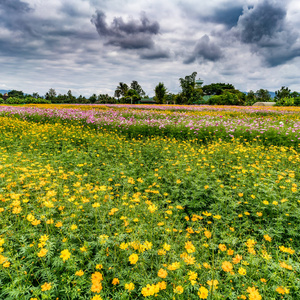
(89, 46)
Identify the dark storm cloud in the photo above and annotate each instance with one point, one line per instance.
(264, 20)
(227, 16)
(126, 35)
(155, 54)
(205, 50)
(33, 36)
(15, 6)
(265, 28)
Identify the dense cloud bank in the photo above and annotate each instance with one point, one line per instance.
(84, 42)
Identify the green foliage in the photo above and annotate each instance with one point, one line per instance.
(51, 94)
(27, 100)
(250, 98)
(284, 92)
(121, 90)
(105, 98)
(160, 93)
(1, 100)
(188, 88)
(16, 94)
(136, 86)
(227, 98)
(286, 101)
(216, 88)
(262, 96)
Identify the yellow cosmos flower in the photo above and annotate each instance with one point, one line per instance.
(36, 222)
(227, 266)
(6, 264)
(162, 273)
(242, 271)
(115, 281)
(97, 297)
(46, 287)
(178, 290)
(74, 227)
(129, 286)
(79, 273)
(42, 252)
(203, 292)
(282, 290)
(152, 208)
(65, 254)
(133, 258)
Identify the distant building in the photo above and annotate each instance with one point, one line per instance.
(198, 83)
(264, 103)
(207, 97)
(146, 101)
(5, 96)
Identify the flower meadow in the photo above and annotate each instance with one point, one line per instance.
(104, 202)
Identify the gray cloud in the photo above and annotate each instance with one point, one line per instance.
(265, 28)
(155, 54)
(59, 37)
(228, 16)
(14, 6)
(205, 50)
(264, 20)
(126, 35)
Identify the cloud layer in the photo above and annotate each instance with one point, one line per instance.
(90, 45)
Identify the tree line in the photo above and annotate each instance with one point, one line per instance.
(192, 92)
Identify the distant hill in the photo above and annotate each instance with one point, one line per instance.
(4, 91)
(272, 94)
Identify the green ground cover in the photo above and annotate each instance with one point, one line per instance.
(89, 214)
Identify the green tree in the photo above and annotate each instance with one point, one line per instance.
(93, 98)
(136, 86)
(51, 94)
(160, 93)
(284, 92)
(188, 87)
(295, 94)
(217, 88)
(250, 98)
(36, 95)
(16, 94)
(226, 98)
(70, 97)
(263, 95)
(121, 90)
(170, 98)
(105, 98)
(132, 97)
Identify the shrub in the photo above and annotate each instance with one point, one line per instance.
(287, 101)
(27, 100)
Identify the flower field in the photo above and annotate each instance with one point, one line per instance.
(156, 202)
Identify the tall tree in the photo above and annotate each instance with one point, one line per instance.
(188, 86)
(121, 90)
(15, 93)
(284, 92)
(191, 92)
(51, 94)
(263, 95)
(136, 86)
(93, 98)
(36, 95)
(160, 93)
